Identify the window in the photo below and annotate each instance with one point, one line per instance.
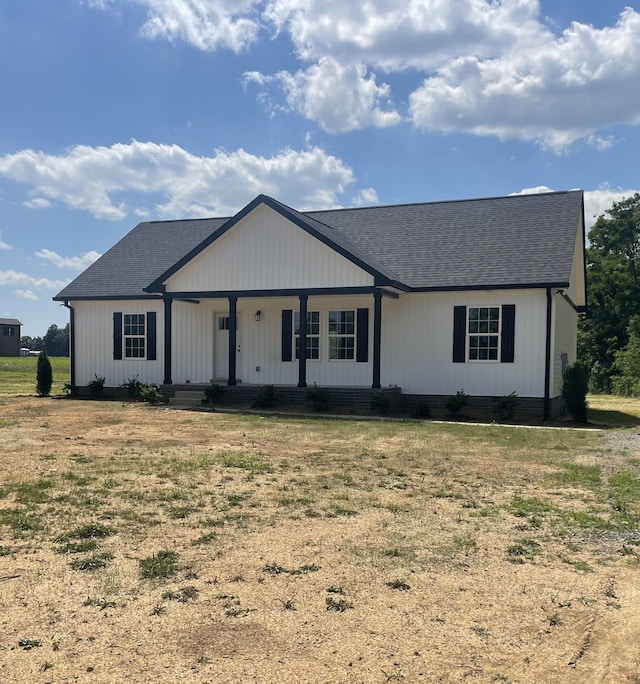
(9, 331)
(342, 335)
(223, 323)
(484, 333)
(134, 336)
(313, 334)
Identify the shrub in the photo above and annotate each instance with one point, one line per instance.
(318, 397)
(96, 386)
(150, 394)
(134, 387)
(422, 410)
(266, 397)
(505, 406)
(44, 375)
(574, 392)
(380, 403)
(214, 393)
(457, 402)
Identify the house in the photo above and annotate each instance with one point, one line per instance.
(10, 337)
(481, 295)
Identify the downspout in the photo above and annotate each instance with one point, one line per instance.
(547, 362)
(72, 343)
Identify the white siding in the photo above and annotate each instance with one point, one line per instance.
(266, 251)
(260, 343)
(94, 344)
(417, 345)
(576, 290)
(565, 340)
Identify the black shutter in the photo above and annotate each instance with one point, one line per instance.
(507, 342)
(151, 336)
(459, 333)
(362, 335)
(117, 335)
(287, 334)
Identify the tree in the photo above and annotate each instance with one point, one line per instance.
(56, 341)
(613, 284)
(32, 343)
(44, 375)
(627, 363)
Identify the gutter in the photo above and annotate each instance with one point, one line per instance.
(72, 343)
(547, 360)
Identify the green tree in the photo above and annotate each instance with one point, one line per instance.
(627, 363)
(44, 375)
(56, 341)
(613, 282)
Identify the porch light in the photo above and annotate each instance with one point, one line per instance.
(258, 315)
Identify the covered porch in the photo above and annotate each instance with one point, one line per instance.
(254, 337)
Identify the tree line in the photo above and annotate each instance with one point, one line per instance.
(55, 341)
(609, 335)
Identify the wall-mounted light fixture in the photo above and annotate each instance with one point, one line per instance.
(258, 315)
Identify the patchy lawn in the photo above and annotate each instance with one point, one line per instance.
(142, 544)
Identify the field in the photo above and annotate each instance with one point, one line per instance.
(18, 374)
(142, 544)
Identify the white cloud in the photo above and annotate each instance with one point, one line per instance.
(19, 279)
(3, 244)
(395, 35)
(340, 98)
(366, 196)
(204, 24)
(596, 202)
(86, 178)
(77, 263)
(27, 294)
(555, 92)
(37, 203)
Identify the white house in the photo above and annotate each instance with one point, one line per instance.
(481, 295)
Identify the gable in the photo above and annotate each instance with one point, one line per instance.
(265, 251)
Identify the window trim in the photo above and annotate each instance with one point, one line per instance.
(310, 336)
(353, 336)
(497, 334)
(142, 321)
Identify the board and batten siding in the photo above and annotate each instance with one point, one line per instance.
(259, 343)
(417, 345)
(266, 251)
(565, 341)
(94, 343)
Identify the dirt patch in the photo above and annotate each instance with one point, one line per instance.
(303, 550)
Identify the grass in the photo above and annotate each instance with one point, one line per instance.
(227, 524)
(18, 374)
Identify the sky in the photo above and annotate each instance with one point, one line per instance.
(114, 112)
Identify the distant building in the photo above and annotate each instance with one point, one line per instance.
(10, 337)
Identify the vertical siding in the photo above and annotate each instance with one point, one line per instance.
(265, 251)
(565, 340)
(417, 345)
(94, 343)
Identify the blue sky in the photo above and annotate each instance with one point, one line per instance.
(118, 111)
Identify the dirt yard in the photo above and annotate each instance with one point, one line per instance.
(141, 544)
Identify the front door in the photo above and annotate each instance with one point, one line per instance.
(220, 346)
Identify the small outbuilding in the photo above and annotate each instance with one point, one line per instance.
(10, 337)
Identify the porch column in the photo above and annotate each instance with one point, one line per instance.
(377, 337)
(233, 339)
(167, 341)
(302, 356)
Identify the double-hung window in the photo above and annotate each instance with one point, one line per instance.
(134, 336)
(313, 334)
(484, 333)
(342, 335)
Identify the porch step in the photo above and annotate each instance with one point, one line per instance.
(187, 398)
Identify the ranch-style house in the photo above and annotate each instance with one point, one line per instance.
(417, 300)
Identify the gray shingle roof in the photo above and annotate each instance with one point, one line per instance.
(9, 321)
(497, 242)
